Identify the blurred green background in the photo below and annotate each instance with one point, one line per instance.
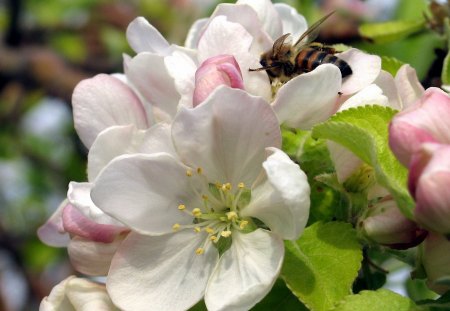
(47, 47)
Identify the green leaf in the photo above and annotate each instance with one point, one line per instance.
(380, 300)
(391, 31)
(321, 266)
(364, 131)
(280, 298)
(391, 64)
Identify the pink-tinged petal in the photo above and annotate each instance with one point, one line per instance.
(268, 16)
(92, 258)
(79, 195)
(213, 72)
(148, 73)
(387, 83)
(162, 272)
(195, 33)
(143, 37)
(408, 85)
(432, 196)
(281, 201)
(309, 98)
(292, 22)
(104, 101)
(370, 95)
(246, 272)
(77, 294)
(227, 135)
(224, 37)
(436, 262)
(246, 16)
(144, 192)
(419, 160)
(345, 162)
(52, 232)
(365, 68)
(181, 66)
(76, 223)
(119, 140)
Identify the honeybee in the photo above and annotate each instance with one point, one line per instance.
(285, 61)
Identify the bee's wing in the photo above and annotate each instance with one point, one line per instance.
(280, 43)
(311, 33)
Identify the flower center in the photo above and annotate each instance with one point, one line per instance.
(218, 214)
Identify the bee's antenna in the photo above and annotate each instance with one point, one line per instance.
(262, 68)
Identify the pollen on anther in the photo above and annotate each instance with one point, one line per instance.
(225, 233)
(199, 170)
(241, 185)
(197, 229)
(196, 212)
(218, 185)
(213, 238)
(226, 187)
(181, 207)
(209, 230)
(199, 251)
(188, 173)
(204, 197)
(232, 215)
(243, 224)
(176, 227)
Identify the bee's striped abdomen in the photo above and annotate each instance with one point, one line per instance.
(310, 58)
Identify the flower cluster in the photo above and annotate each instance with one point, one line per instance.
(189, 195)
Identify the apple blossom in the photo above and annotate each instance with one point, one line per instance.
(77, 294)
(192, 211)
(425, 121)
(429, 178)
(386, 225)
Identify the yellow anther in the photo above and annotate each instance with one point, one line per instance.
(225, 233)
(204, 197)
(199, 251)
(228, 186)
(181, 207)
(243, 224)
(188, 173)
(199, 170)
(209, 230)
(196, 212)
(213, 238)
(232, 215)
(218, 185)
(241, 185)
(176, 227)
(197, 229)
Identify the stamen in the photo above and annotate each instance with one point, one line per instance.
(232, 215)
(197, 229)
(181, 207)
(213, 239)
(209, 230)
(176, 227)
(199, 251)
(204, 197)
(241, 185)
(199, 170)
(243, 224)
(196, 212)
(225, 233)
(189, 173)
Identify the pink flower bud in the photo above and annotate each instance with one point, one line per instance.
(386, 225)
(429, 181)
(425, 121)
(436, 262)
(213, 72)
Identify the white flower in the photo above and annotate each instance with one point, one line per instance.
(196, 214)
(76, 294)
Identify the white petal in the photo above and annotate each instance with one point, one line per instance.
(282, 200)
(408, 85)
(52, 232)
(293, 23)
(246, 272)
(227, 135)
(387, 83)
(144, 192)
(79, 195)
(105, 101)
(370, 95)
(345, 161)
(119, 140)
(267, 15)
(149, 75)
(143, 37)
(92, 258)
(195, 33)
(309, 98)
(223, 37)
(365, 67)
(160, 273)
